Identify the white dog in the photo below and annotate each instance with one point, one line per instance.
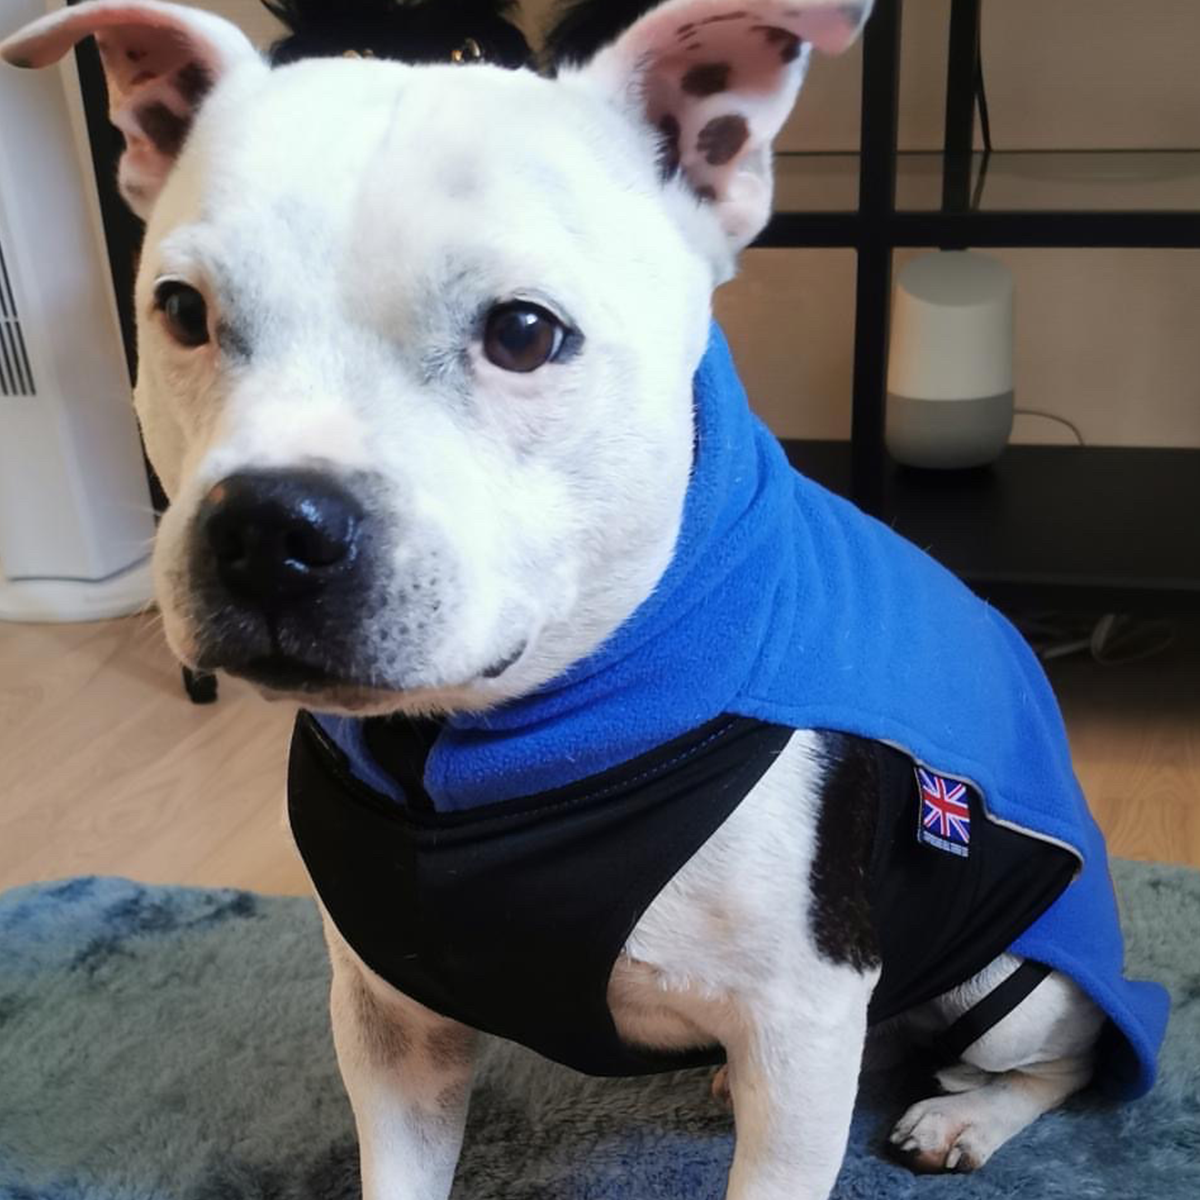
(418, 359)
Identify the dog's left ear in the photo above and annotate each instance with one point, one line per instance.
(717, 79)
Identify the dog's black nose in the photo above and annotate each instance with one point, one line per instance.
(275, 536)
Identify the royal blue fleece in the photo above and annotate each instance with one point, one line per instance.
(785, 603)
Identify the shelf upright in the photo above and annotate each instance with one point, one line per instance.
(873, 296)
(959, 142)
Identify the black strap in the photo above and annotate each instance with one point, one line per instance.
(992, 1009)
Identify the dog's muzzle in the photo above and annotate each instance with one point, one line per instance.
(281, 570)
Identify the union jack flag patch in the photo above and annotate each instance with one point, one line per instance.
(945, 821)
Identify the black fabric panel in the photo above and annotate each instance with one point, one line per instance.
(491, 917)
(940, 918)
(509, 918)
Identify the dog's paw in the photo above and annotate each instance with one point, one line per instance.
(938, 1135)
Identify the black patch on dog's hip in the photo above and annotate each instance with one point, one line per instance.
(840, 904)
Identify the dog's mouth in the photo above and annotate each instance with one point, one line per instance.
(279, 677)
(287, 675)
(501, 665)
(283, 673)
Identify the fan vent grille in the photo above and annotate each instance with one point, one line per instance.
(16, 375)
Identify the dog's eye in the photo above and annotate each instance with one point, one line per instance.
(185, 311)
(521, 337)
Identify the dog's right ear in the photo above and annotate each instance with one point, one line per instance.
(716, 80)
(160, 60)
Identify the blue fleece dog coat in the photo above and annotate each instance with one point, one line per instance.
(785, 604)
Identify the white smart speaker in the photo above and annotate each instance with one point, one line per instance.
(950, 369)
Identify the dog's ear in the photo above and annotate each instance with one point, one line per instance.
(160, 60)
(717, 79)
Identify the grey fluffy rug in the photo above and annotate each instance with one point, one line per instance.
(162, 1043)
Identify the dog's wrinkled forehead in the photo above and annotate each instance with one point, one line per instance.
(351, 120)
(384, 142)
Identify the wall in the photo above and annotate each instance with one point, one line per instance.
(1106, 338)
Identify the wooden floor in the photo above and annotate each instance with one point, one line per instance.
(106, 768)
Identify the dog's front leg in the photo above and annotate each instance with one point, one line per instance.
(408, 1074)
(792, 1075)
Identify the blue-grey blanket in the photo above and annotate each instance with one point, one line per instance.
(174, 1044)
(785, 603)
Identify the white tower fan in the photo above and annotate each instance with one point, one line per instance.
(75, 514)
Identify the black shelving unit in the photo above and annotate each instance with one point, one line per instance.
(1086, 528)
(1075, 527)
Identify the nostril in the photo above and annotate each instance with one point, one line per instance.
(274, 535)
(227, 541)
(300, 547)
(318, 545)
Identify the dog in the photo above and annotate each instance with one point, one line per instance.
(458, 462)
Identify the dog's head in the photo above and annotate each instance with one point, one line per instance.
(417, 343)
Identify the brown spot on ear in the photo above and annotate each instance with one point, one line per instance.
(789, 44)
(722, 138)
(134, 54)
(694, 46)
(193, 82)
(23, 63)
(707, 79)
(686, 30)
(707, 192)
(163, 127)
(669, 155)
